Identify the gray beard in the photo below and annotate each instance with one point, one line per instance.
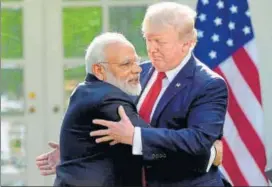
(123, 85)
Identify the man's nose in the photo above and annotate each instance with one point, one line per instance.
(152, 47)
(136, 68)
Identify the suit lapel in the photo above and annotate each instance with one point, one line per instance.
(145, 77)
(180, 82)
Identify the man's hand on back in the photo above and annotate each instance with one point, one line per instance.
(219, 153)
(47, 162)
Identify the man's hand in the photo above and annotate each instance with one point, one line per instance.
(219, 153)
(117, 132)
(47, 162)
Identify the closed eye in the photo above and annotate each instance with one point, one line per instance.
(125, 64)
(162, 43)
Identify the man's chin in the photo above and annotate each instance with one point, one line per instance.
(134, 90)
(128, 88)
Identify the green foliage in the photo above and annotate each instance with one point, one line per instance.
(11, 47)
(16, 143)
(80, 26)
(11, 33)
(12, 82)
(10, 0)
(128, 20)
(77, 73)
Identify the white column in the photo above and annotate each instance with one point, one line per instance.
(33, 47)
(54, 83)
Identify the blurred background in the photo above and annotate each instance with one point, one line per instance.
(42, 59)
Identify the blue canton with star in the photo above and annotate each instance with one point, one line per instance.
(223, 26)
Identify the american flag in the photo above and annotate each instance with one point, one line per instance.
(226, 44)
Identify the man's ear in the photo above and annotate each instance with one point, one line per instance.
(187, 45)
(98, 71)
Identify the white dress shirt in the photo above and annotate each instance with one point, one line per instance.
(170, 75)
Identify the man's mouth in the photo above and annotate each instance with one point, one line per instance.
(134, 81)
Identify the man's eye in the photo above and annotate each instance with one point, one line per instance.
(125, 64)
(162, 42)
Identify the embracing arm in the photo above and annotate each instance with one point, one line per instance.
(205, 124)
(109, 109)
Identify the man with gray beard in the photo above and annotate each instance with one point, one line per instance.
(112, 73)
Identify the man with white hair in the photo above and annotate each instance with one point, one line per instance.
(184, 99)
(112, 73)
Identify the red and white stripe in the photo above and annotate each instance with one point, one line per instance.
(244, 151)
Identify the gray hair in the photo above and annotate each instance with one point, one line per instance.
(95, 52)
(163, 14)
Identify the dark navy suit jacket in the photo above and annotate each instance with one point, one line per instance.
(84, 162)
(190, 116)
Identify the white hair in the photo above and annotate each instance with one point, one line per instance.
(163, 14)
(95, 52)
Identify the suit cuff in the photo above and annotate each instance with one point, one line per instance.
(212, 157)
(137, 148)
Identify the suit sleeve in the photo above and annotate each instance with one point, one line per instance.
(109, 109)
(205, 124)
(127, 161)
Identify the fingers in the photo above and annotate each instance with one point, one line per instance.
(104, 139)
(219, 152)
(102, 122)
(122, 113)
(218, 146)
(218, 142)
(48, 172)
(100, 132)
(217, 161)
(41, 163)
(45, 167)
(114, 142)
(53, 145)
(42, 157)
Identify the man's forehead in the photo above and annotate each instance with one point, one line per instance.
(120, 52)
(129, 57)
(160, 32)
